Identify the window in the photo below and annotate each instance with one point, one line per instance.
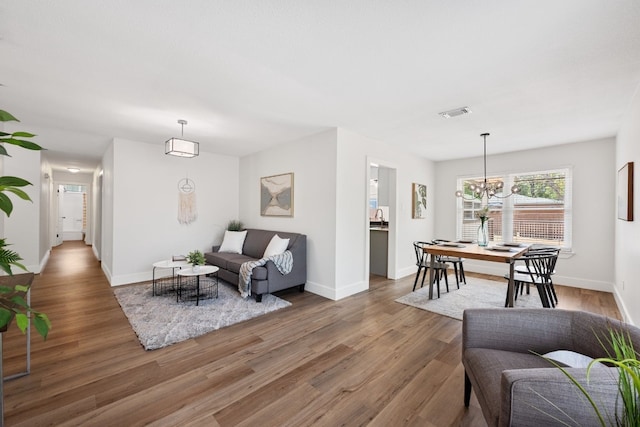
(539, 213)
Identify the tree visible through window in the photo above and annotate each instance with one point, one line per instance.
(539, 213)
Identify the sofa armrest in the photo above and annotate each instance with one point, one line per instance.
(520, 330)
(298, 274)
(530, 396)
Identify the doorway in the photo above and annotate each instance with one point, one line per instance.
(381, 219)
(71, 221)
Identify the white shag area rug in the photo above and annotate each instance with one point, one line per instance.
(477, 293)
(160, 321)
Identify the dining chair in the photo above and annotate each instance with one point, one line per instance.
(456, 262)
(423, 263)
(523, 268)
(539, 269)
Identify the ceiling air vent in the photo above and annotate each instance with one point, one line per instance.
(455, 113)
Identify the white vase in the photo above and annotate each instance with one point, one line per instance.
(196, 268)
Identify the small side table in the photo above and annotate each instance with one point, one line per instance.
(190, 286)
(162, 284)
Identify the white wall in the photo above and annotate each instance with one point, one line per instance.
(313, 163)
(22, 228)
(95, 238)
(46, 194)
(107, 231)
(592, 262)
(331, 205)
(355, 154)
(627, 248)
(140, 206)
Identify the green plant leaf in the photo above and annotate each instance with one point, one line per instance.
(19, 301)
(22, 321)
(13, 181)
(42, 324)
(5, 317)
(18, 192)
(7, 117)
(9, 258)
(3, 151)
(21, 288)
(22, 143)
(23, 134)
(5, 204)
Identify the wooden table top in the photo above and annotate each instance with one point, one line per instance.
(473, 251)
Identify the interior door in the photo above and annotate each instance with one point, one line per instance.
(60, 217)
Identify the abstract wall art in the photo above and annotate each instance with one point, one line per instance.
(276, 195)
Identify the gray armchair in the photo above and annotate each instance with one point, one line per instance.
(516, 387)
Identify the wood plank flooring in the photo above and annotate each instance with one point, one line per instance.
(364, 360)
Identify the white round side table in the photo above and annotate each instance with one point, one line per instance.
(161, 283)
(189, 285)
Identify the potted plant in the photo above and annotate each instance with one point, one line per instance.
(196, 259)
(12, 291)
(235, 225)
(625, 358)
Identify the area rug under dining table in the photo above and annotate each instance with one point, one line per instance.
(159, 321)
(477, 293)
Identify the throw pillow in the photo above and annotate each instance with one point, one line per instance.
(276, 246)
(569, 358)
(233, 241)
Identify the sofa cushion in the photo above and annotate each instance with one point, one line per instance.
(233, 264)
(233, 241)
(256, 242)
(226, 260)
(276, 246)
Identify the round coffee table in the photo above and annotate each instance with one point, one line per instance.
(161, 284)
(189, 286)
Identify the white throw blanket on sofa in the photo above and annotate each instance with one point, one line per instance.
(283, 262)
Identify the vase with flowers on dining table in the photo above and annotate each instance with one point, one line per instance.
(483, 229)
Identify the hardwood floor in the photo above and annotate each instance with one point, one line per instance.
(363, 360)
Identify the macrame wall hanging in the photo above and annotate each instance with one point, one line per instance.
(187, 212)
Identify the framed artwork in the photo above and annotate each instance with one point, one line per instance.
(276, 195)
(625, 192)
(419, 201)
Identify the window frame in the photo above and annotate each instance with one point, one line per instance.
(507, 209)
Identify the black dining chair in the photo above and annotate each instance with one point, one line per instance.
(423, 263)
(524, 269)
(539, 269)
(456, 263)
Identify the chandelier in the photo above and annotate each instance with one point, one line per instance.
(181, 147)
(484, 188)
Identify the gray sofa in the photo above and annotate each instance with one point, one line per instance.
(266, 279)
(514, 386)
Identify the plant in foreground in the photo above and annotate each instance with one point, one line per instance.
(12, 301)
(625, 359)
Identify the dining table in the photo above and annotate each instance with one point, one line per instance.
(505, 253)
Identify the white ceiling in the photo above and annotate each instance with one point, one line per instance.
(250, 74)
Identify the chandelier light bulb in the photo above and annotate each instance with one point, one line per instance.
(490, 189)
